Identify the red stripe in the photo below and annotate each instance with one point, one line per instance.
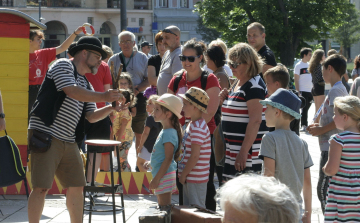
(13, 26)
(234, 111)
(237, 97)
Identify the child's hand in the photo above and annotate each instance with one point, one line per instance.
(138, 150)
(182, 179)
(154, 184)
(315, 130)
(147, 165)
(306, 218)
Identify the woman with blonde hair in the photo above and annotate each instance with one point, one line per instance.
(242, 114)
(318, 90)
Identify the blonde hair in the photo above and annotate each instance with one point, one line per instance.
(126, 76)
(350, 106)
(108, 51)
(244, 53)
(219, 42)
(153, 97)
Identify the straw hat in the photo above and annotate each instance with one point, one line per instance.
(171, 102)
(197, 97)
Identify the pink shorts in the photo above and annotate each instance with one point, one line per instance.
(167, 184)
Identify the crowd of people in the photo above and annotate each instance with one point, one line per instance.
(171, 104)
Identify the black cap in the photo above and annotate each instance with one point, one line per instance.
(146, 43)
(88, 43)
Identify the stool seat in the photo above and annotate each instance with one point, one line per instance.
(102, 142)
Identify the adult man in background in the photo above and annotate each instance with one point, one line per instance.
(170, 63)
(146, 47)
(135, 63)
(256, 38)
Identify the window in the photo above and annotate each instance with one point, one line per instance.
(184, 4)
(91, 20)
(163, 3)
(141, 21)
(133, 19)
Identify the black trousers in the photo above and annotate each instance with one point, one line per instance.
(210, 201)
(323, 182)
(304, 114)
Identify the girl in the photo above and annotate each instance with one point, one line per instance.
(148, 138)
(166, 148)
(122, 129)
(343, 164)
(125, 82)
(315, 68)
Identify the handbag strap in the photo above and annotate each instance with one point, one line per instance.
(6, 132)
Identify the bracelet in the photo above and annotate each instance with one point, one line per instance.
(75, 33)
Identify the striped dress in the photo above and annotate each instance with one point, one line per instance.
(235, 119)
(343, 199)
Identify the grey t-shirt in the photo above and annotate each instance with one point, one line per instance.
(137, 66)
(355, 87)
(291, 156)
(327, 113)
(170, 64)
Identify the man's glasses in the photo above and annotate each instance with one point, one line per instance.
(126, 42)
(99, 56)
(168, 31)
(190, 58)
(234, 64)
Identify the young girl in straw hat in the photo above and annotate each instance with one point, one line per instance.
(166, 148)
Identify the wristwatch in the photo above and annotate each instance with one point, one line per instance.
(2, 115)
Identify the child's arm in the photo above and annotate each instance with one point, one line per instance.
(169, 153)
(332, 165)
(121, 130)
(193, 159)
(133, 111)
(316, 130)
(269, 167)
(307, 193)
(144, 136)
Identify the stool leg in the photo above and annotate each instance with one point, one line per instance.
(92, 184)
(86, 171)
(112, 186)
(120, 182)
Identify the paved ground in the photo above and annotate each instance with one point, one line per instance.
(14, 207)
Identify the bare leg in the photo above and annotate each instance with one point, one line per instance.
(90, 166)
(105, 162)
(137, 140)
(36, 204)
(318, 101)
(74, 203)
(140, 164)
(164, 199)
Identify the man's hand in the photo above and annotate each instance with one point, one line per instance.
(2, 124)
(112, 95)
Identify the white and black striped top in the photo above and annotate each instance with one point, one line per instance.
(64, 125)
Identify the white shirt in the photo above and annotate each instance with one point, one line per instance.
(305, 80)
(226, 68)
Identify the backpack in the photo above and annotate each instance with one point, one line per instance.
(11, 168)
(204, 76)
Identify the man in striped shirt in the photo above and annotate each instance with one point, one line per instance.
(60, 122)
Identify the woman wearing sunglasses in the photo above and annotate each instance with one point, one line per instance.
(191, 57)
(242, 115)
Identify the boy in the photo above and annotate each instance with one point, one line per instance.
(333, 69)
(278, 77)
(286, 156)
(194, 165)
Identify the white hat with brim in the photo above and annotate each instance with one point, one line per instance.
(171, 102)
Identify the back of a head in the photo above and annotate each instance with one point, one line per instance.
(338, 62)
(108, 51)
(280, 74)
(305, 51)
(264, 197)
(217, 55)
(34, 33)
(258, 26)
(315, 59)
(331, 52)
(219, 42)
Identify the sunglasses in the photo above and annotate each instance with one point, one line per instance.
(234, 64)
(190, 58)
(168, 31)
(98, 55)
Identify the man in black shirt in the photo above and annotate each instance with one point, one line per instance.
(256, 38)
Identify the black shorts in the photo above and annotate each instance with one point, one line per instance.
(98, 130)
(318, 90)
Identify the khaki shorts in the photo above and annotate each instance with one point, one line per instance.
(138, 122)
(63, 160)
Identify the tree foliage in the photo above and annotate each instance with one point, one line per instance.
(288, 23)
(207, 34)
(347, 34)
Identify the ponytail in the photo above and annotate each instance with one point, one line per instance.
(175, 122)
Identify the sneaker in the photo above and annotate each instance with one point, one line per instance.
(303, 128)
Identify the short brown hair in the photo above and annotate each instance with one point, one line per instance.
(338, 62)
(280, 74)
(34, 33)
(257, 25)
(305, 51)
(332, 52)
(287, 116)
(158, 38)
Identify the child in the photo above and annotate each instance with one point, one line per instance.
(278, 77)
(125, 82)
(150, 133)
(286, 156)
(122, 129)
(194, 165)
(343, 165)
(166, 148)
(333, 69)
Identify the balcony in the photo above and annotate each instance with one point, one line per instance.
(55, 3)
(7, 3)
(96, 4)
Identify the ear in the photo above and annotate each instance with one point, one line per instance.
(263, 35)
(277, 112)
(277, 84)
(345, 117)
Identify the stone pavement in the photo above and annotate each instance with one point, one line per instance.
(14, 207)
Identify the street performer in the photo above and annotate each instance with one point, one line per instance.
(64, 100)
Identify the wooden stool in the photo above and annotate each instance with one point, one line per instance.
(113, 188)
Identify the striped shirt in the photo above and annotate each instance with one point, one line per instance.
(198, 133)
(235, 119)
(343, 199)
(64, 125)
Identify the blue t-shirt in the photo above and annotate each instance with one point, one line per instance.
(158, 153)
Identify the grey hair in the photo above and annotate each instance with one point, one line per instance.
(127, 33)
(264, 197)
